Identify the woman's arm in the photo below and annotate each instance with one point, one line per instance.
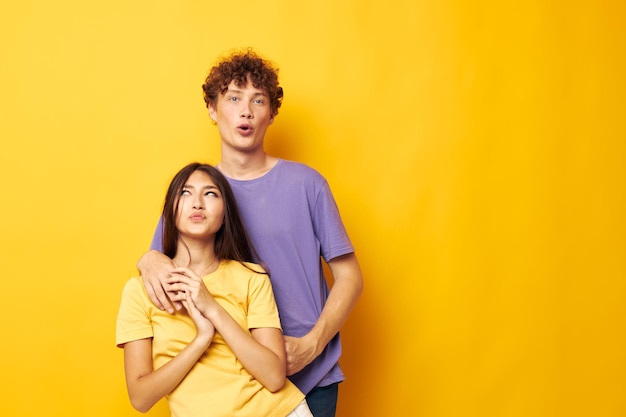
(147, 386)
(262, 352)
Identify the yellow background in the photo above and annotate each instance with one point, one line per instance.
(477, 150)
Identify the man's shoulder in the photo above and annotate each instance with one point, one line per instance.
(299, 169)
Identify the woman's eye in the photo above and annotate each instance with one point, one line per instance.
(212, 193)
(184, 192)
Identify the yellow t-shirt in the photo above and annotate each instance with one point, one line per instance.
(217, 385)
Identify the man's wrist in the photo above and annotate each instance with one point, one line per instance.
(314, 343)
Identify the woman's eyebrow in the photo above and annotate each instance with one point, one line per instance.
(204, 187)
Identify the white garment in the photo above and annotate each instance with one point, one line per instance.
(302, 410)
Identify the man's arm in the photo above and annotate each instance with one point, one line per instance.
(155, 268)
(346, 290)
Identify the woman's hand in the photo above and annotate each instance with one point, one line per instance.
(183, 281)
(187, 288)
(204, 327)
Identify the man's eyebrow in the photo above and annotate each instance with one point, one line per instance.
(233, 90)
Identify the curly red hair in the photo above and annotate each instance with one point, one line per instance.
(240, 66)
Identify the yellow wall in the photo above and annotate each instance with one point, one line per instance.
(477, 151)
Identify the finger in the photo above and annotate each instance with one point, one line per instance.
(153, 297)
(184, 299)
(182, 276)
(178, 285)
(178, 296)
(288, 342)
(179, 278)
(183, 270)
(161, 299)
(190, 302)
(291, 369)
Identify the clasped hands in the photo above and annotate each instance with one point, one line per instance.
(184, 286)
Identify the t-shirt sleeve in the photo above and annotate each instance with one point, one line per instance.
(329, 228)
(133, 322)
(262, 310)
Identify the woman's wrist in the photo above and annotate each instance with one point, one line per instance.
(204, 339)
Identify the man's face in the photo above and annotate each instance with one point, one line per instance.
(243, 115)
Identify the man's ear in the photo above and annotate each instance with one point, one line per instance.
(212, 113)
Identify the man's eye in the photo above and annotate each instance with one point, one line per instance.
(258, 101)
(234, 99)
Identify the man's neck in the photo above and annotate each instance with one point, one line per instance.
(242, 166)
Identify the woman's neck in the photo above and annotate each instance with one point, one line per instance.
(200, 258)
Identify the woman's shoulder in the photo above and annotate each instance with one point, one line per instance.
(244, 267)
(245, 275)
(134, 289)
(133, 284)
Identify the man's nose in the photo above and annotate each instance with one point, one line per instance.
(246, 113)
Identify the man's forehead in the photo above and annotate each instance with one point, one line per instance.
(235, 88)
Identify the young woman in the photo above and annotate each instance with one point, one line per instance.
(223, 354)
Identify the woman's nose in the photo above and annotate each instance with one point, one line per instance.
(198, 204)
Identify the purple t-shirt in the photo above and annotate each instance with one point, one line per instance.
(292, 219)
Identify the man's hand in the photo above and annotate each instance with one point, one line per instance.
(155, 268)
(301, 351)
(343, 296)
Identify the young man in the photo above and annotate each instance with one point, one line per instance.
(292, 219)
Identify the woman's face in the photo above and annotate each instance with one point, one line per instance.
(200, 208)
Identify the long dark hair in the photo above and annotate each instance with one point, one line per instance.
(231, 240)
